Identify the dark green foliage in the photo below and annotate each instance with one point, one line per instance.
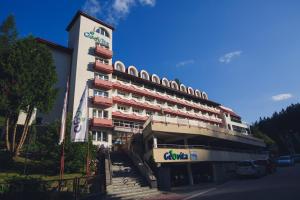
(283, 128)
(44, 148)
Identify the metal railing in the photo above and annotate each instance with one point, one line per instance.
(196, 123)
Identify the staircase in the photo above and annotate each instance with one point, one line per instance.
(127, 183)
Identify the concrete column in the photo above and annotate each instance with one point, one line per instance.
(154, 142)
(219, 173)
(190, 174)
(164, 178)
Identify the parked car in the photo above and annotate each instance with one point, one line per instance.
(287, 160)
(250, 168)
(296, 158)
(268, 164)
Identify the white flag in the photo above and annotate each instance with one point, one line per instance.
(80, 121)
(64, 116)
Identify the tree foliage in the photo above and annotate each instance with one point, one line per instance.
(44, 146)
(28, 77)
(283, 128)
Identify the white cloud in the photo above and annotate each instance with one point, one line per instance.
(148, 2)
(227, 58)
(185, 62)
(92, 7)
(114, 10)
(281, 97)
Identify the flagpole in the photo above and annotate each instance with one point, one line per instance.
(88, 140)
(62, 161)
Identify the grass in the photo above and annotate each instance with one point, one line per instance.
(18, 171)
(6, 175)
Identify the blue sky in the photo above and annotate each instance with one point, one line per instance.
(244, 54)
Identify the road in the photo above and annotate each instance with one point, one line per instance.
(283, 185)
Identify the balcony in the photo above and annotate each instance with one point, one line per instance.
(135, 104)
(103, 84)
(103, 52)
(102, 101)
(158, 124)
(100, 122)
(130, 117)
(99, 66)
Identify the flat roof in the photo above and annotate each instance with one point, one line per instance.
(89, 17)
(54, 45)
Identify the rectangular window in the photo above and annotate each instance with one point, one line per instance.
(123, 108)
(100, 136)
(160, 102)
(149, 113)
(171, 105)
(121, 93)
(135, 96)
(100, 76)
(94, 136)
(138, 111)
(102, 60)
(100, 93)
(137, 84)
(98, 113)
(149, 99)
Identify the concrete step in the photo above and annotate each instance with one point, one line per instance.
(128, 190)
(138, 193)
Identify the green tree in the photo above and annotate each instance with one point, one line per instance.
(46, 149)
(30, 84)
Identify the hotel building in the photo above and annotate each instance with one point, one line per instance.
(182, 131)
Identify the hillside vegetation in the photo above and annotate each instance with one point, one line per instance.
(283, 128)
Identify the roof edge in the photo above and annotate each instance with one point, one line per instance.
(79, 12)
(54, 45)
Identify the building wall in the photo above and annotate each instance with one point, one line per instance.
(62, 62)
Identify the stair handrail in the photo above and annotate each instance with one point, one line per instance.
(144, 169)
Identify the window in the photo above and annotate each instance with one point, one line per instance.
(135, 96)
(149, 99)
(171, 105)
(102, 60)
(160, 102)
(137, 84)
(99, 136)
(100, 76)
(123, 108)
(100, 93)
(179, 106)
(102, 31)
(123, 80)
(124, 94)
(149, 113)
(138, 111)
(98, 113)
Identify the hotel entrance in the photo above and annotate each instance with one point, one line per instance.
(178, 175)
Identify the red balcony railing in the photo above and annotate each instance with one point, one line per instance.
(99, 66)
(102, 101)
(103, 52)
(103, 84)
(100, 122)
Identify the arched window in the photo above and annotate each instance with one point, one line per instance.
(190, 90)
(165, 82)
(174, 85)
(102, 31)
(182, 88)
(204, 95)
(155, 78)
(144, 74)
(198, 93)
(132, 71)
(119, 66)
